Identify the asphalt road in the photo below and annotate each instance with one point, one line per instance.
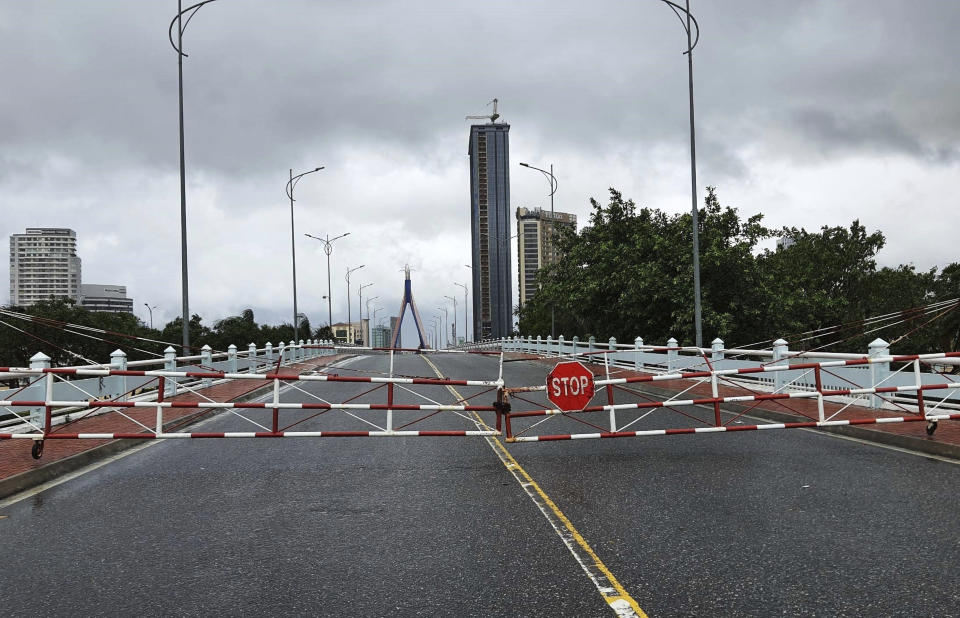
(746, 524)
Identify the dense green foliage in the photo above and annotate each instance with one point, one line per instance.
(19, 339)
(630, 272)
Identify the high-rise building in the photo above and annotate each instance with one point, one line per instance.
(43, 265)
(489, 151)
(380, 337)
(107, 298)
(536, 231)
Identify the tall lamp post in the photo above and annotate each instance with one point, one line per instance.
(178, 47)
(291, 184)
(350, 270)
(553, 189)
(437, 320)
(363, 338)
(150, 309)
(445, 339)
(374, 322)
(689, 23)
(369, 332)
(328, 249)
(465, 335)
(454, 334)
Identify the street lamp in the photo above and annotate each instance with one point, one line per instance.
(178, 47)
(446, 340)
(291, 184)
(688, 26)
(553, 189)
(328, 249)
(150, 309)
(454, 318)
(363, 337)
(350, 270)
(437, 320)
(376, 310)
(368, 306)
(465, 336)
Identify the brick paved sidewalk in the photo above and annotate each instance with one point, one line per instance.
(946, 439)
(15, 454)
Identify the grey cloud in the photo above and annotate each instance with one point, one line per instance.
(378, 91)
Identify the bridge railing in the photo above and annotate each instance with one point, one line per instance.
(883, 371)
(150, 418)
(70, 383)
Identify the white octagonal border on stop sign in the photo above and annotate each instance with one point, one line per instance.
(573, 389)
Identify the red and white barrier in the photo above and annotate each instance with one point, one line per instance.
(246, 434)
(714, 376)
(733, 428)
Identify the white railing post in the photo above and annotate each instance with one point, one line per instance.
(575, 342)
(878, 371)
(560, 344)
(549, 345)
(268, 352)
(282, 352)
(716, 352)
(637, 361)
(118, 360)
(251, 358)
(38, 415)
(539, 348)
(780, 357)
(231, 358)
(170, 364)
(591, 344)
(206, 359)
(673, 354)
(302, 352)
(612, 347)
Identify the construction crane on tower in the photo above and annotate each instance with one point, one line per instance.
(492, 117)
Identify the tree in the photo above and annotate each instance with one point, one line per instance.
(324, 333)
(199, 334)
(630, 272)
(238, 330)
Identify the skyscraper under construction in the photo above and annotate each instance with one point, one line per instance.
(489, 152)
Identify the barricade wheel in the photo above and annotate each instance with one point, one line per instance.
(37, 450)
(931, 427)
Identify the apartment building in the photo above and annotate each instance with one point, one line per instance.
(537, 230)
(43, 265)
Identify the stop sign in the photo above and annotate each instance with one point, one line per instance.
(570, 386)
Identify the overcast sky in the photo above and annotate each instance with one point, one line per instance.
(813, 113)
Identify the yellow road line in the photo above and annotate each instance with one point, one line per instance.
(612, 591)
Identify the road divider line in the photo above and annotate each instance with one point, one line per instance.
(603, 579)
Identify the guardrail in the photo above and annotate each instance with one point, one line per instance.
(883, 370)
(116, 380)
(60, 389)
